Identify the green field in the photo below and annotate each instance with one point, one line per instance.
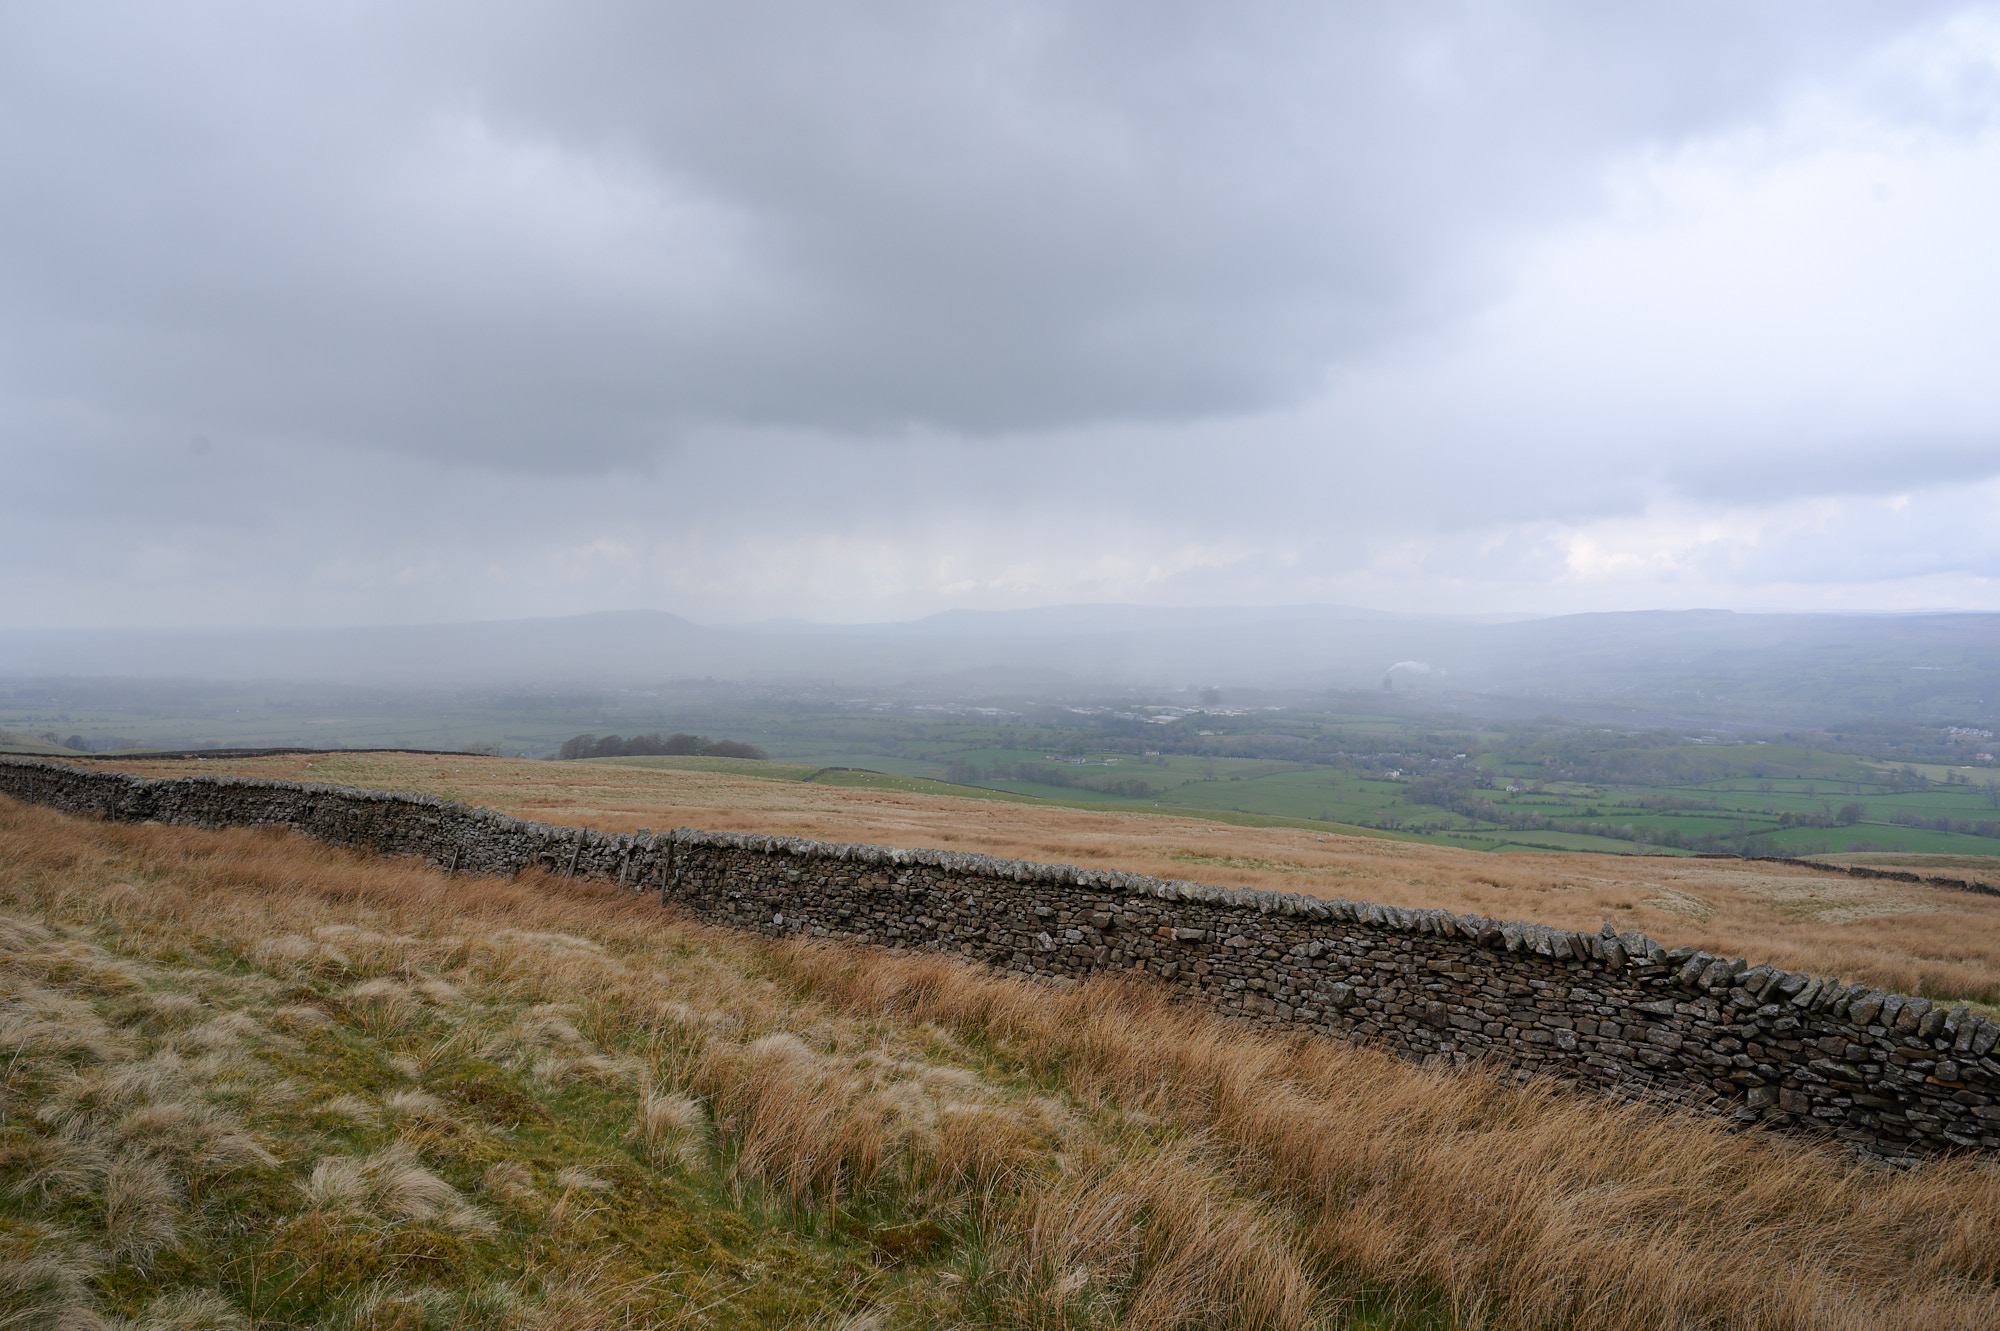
(1745, 806)
(1736, 810)
(1337, 762)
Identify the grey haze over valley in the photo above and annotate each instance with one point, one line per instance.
(1638, 668)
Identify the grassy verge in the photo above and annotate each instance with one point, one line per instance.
(253, 1076)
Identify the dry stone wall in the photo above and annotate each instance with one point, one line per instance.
(1895, 1076)
(1863, 871)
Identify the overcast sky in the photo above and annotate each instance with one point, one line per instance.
(344, 313)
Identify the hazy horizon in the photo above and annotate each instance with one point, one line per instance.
(1944, 669)
(805, 621)
(1081, 614)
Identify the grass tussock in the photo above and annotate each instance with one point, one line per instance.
(251, 1077)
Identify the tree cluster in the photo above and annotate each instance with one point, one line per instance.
(1848, 816)
(1983, 827)
(79, 744)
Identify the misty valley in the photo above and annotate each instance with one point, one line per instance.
(1403, 766)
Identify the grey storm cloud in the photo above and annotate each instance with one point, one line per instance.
(559, 235)
(369, 311)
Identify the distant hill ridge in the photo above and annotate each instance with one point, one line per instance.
(1780, 669)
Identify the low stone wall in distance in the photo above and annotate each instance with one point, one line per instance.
(1895, 1076)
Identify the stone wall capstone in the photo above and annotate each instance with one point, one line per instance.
(1894, 1076)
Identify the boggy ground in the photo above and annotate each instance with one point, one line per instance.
(253, 1076)
(1910, 938)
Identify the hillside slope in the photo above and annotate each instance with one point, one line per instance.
(254, 1076)
(1904, 937)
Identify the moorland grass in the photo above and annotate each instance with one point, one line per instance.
(1908, 938)
(252, 1075)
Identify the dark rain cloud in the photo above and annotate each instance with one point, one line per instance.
(420, 311)
(556, 235)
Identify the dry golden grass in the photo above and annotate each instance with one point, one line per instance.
(1530, 1207)
(457, 1102)
(1908, 938)
(342, 1092)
